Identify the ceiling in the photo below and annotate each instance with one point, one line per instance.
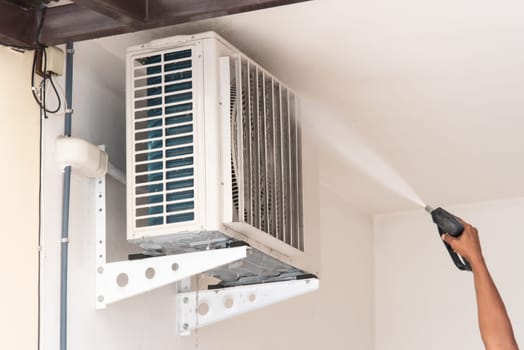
(435, 88)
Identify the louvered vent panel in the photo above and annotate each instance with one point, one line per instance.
(266, 154)
(163, 138)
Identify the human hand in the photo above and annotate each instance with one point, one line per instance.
(467, 244)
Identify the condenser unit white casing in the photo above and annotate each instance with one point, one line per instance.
(214, 65)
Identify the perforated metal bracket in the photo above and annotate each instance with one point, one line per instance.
(202, 308)
(120, 280)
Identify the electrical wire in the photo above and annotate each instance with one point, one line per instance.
(41, 116)
(41, 101)
(58, 91)
(43, 90)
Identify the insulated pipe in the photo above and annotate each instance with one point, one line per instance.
(65, 202)
(116, 173)
(85, 158)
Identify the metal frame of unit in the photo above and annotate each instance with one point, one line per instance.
(116, 281)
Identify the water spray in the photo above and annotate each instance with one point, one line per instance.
(332, 128)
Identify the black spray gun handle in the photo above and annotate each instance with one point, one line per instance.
(448, 223)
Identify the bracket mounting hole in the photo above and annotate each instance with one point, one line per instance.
(122, 280)
(252, 297)
(185, 300)
(203, 309)
(228, 303)
(150, 273)
(174, 267)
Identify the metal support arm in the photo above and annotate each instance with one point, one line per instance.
(120, 280)
(201, 308)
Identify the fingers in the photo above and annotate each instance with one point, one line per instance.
(465, 224)
(449, 239)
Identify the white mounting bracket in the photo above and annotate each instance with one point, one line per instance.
(201, 308)
(120, 280)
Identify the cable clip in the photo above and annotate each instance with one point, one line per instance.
(65, 240)
(69, 111)
(71, 51)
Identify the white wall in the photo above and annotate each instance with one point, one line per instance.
(19, 135)
(339, 316)
(421, 300)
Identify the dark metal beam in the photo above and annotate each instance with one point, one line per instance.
(17, 26)
(74, 23)
(167, 12)
(126, 11)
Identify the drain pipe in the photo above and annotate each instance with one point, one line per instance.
(65, 201)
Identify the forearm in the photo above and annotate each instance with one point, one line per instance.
(494, 323)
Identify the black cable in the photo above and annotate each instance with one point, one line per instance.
(43, 86)
(59, 100)
(43, 10)
(40, 46)
(33, 88)
(42, 102)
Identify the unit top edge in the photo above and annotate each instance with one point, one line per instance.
(175, 40)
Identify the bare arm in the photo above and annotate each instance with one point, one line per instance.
(494, 323)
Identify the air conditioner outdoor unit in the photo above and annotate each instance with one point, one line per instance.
(217, 157)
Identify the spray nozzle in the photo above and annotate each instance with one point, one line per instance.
(429, 209)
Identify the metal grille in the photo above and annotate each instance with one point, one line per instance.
(266, 152)
(163, 138)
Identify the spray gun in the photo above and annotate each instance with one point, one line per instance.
(448, 223)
